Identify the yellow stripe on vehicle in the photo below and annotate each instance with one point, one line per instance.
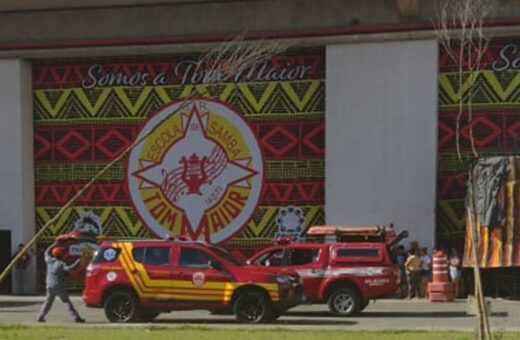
(180, 289)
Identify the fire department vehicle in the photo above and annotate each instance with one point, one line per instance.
(346, 273)
(138, 280)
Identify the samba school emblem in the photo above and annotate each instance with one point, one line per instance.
(199, 173)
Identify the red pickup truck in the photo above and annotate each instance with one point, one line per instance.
(137, 280)
(343, 274)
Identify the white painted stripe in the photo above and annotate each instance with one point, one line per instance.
(440, 265)
(357, 271)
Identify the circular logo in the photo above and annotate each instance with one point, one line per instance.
(198, 173)
(111, 276)
(198, 279)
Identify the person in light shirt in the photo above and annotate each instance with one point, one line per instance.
(413, 272)
(455, 271)
(426, 271)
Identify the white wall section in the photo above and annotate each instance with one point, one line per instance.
(381, 135)
(16, 153)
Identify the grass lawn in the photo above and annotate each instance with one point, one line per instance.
(196, 333)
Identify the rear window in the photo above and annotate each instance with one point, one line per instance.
(106, 255)
(363, 252)
(159, 256)
(358, 254)
(289, 257)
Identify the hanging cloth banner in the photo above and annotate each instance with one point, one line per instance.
(496, 189)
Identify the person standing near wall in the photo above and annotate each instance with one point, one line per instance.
(20, 272)
(455, 272)
(413, 270)
(426, 271)
(55, 282)
(400, 259)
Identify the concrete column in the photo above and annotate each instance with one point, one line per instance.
(16, 155)
(381, 135)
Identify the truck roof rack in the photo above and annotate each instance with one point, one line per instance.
(358, 233)
(345, 230)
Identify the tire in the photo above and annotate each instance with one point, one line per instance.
(252, 308)
(121, 307)
(344, 301)
(364, 304)
(276, 314)
(147, 316)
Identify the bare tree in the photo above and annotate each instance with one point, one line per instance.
(220, 64)
(459, 30)
(227, 61)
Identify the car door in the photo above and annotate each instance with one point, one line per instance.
(201, 283)
(306, 261)
(156, 262)
(150, 268)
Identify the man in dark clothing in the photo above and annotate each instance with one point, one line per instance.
(400, 258)
(20, 271)
(54, 281)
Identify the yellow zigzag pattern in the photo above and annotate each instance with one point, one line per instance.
(66, 220)
(132, 225)
(60, 97)
(490, 77)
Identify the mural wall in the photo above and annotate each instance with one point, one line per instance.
(241, 163)
(496, 129)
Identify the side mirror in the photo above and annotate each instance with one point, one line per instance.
(215, 265)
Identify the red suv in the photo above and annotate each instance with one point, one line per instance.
(345, 275)
(138, 280)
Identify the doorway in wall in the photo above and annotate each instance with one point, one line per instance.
(5, 258)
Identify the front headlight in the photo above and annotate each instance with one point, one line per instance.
(282, 279)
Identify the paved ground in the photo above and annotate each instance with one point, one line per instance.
(383, 314)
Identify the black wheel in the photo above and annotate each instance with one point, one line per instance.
(364, 304)
(121, 307)
(275, 314)
(344, 302)
(252, 307)
(147, 316)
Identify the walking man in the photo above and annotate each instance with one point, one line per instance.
(54, 281)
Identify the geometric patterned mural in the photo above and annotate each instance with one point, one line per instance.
(86, 111)
(496, 128)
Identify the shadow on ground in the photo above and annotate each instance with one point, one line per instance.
(13, 304)
(395, 314)
(232, 321)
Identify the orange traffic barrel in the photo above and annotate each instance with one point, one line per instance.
(440, 267)
(440, 291)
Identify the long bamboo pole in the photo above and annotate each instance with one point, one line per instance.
(484, 331)
(222, 63)
(78, 194)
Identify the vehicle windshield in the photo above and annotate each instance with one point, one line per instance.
(227, 256)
